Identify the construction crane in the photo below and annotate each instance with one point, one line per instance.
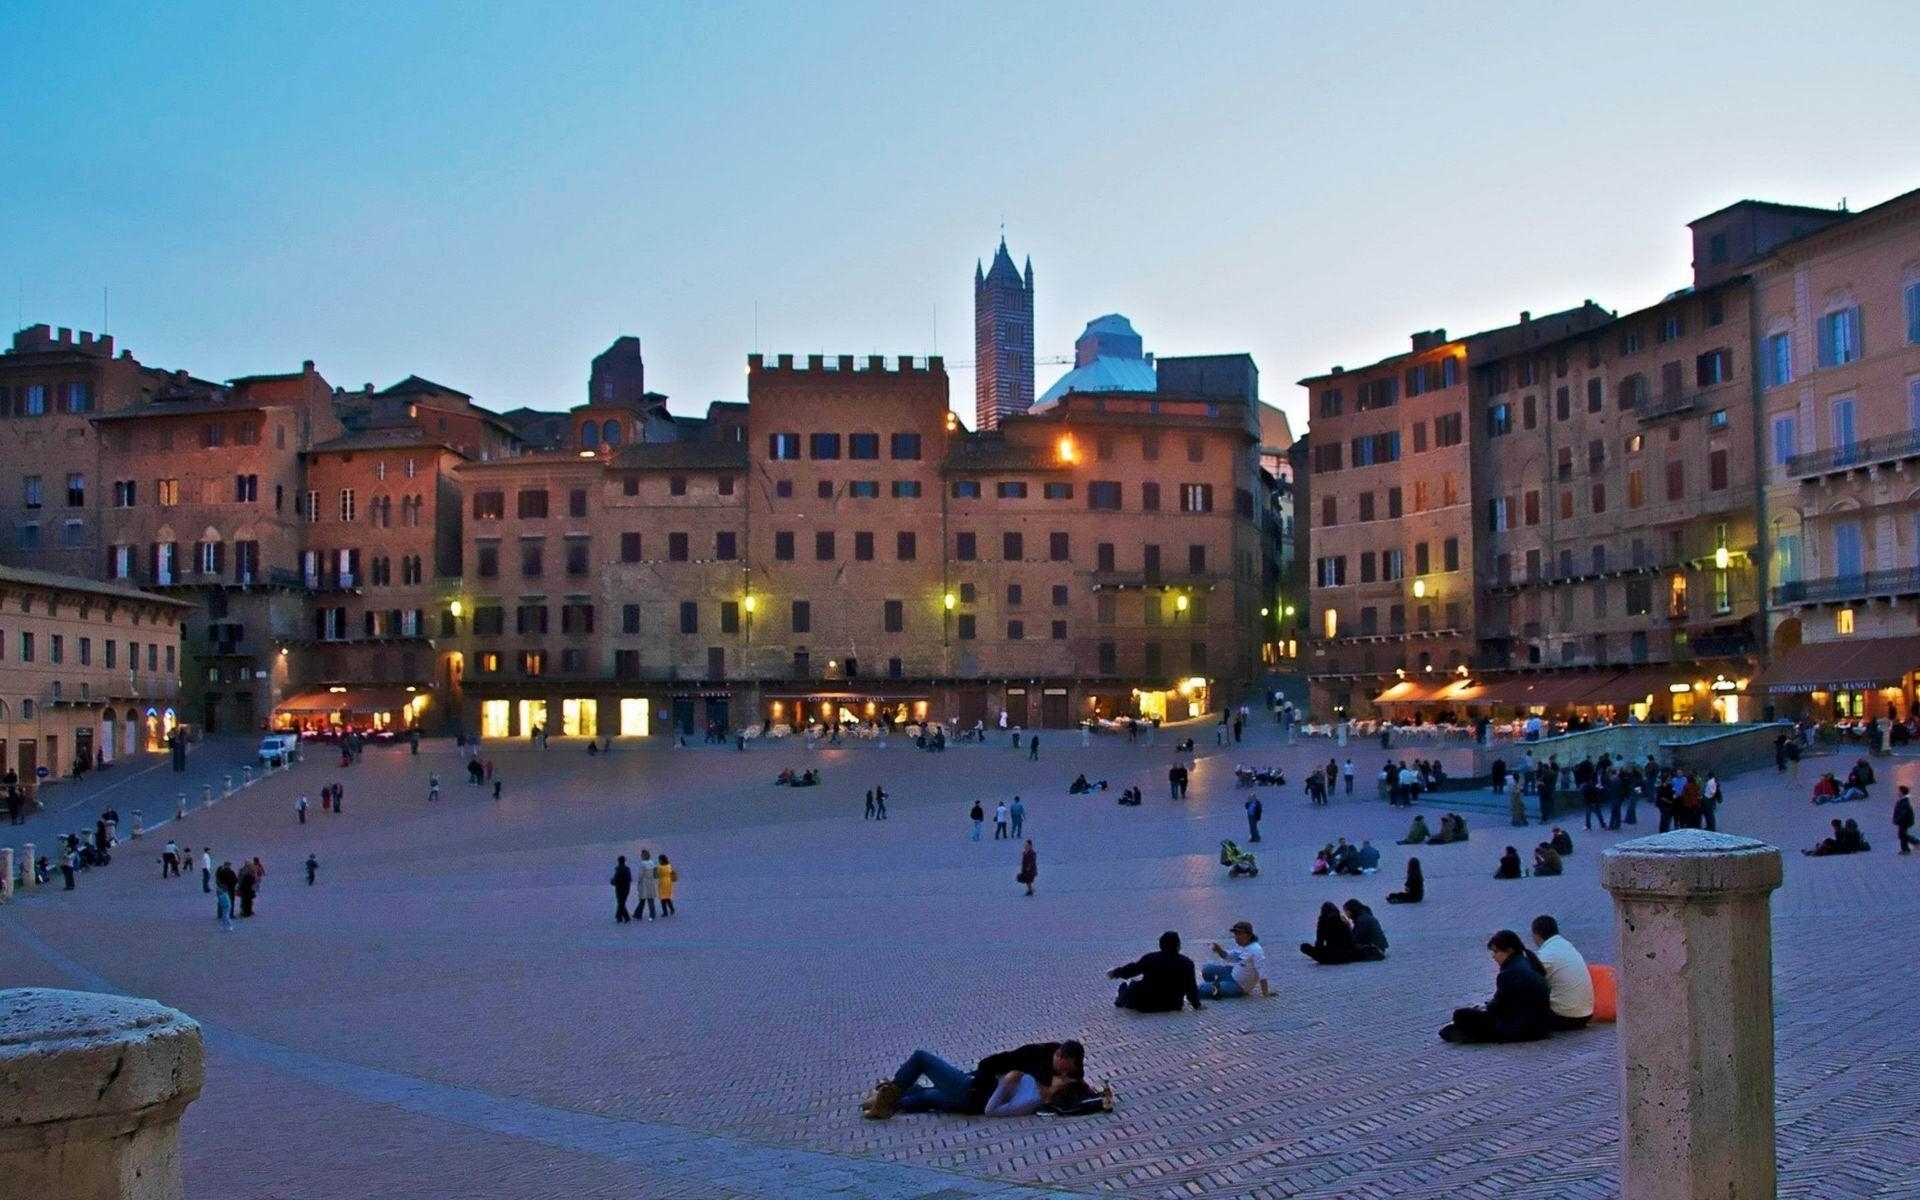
(1038, 362)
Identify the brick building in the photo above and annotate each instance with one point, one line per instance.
(1836, 325)
(91, 672)
(839, 547)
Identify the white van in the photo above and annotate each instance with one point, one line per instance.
(280, 748)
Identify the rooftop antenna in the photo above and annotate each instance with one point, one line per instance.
(106, 325)
(936, 327)
(756, 327)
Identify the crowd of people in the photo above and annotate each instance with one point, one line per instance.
(649, 883)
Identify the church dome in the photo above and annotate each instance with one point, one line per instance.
(1107, 357)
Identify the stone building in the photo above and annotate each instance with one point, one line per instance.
(1002, 340)
(839, 548)
(90, 670)
(1393, 512)
(1836, 323)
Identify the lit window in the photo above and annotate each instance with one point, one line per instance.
(1843, 622)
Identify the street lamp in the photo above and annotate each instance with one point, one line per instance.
(455, 609)
(946, 618)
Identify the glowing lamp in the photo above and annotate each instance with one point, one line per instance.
(1289, 610)
(1066, 450)
(1180, 603)
(750, 603)
(456, 609)
(950, 601)
(1419, 589)
(1265, 611)
(1722, 558)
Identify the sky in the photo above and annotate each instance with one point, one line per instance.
(488, 194)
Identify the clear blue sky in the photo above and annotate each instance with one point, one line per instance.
(487, 194)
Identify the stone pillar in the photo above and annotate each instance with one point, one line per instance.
(1696, 1014)
(246, 777)
(180, 807)
(206, 794)
(139, 828)
(27, 880)
(94, 1086)
(226, 786)
(6, 873)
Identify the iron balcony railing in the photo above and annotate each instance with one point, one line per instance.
(1862, 453)
(1902, 582)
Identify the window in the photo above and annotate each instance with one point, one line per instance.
(630, 547)
(76, 490)
(1843, 622)
(487, 564)
(1394, 504)
(1779, 358)
(1531, 506)
(1562, 404)
(863, 546)
(723, 484)
(964, 547)
(1377, 393)
(1633, 391)
(1676, 479)
(1057, 491)
(1671, 327)
(31, 491)
(487, 506)
(825, 489)
(1198, 497)
(532, 559)
(802, 616)
(726, 546)
(677, 550)
(1366, 506)
(1012, 546)
(1598, 498)
(966, 489)
(533, 662)
(689, 616)
(1197, 559)
(1150, 496)
(864, 489)
(1332, 571)
(1497, 515)
(1913, 312)
(125, 493)
(1841, 413)
(246, 489)
(577, 501)
(905, 546)
(1717, 471)
(530, 618)
(1331, 400)
(823, 445)
(1016, 630)
(966, 627)
(1499, 420)
(1058, 547)
(1378, 448)
(895, 616)
(1527, 413)
(1840, 337)
(1326, 458)
(863, 445)
(906, 446)
(1419, 436)
(1450, 554)
(906, 489)
(1785, 438)
(1103, 494)
(823, 549)
(1566, 504)
(1713, 367)
(531, 504)
(1448, 430)
(783, 447)
(26, 648)
(783, 545)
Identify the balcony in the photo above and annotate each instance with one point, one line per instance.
(1670, 407)
(1723, 645)
(1838, 588)
(1856, 455)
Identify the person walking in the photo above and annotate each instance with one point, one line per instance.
(1255, 810)
(496, 783)
(1173, 782)
(622, 882)
(223, 910)
(1346, 773)
(649, 886)
(206, 869)
(1019, 814)
(433, 786)
(868, 815)
(1029, 867)
(976, 814)
(227, 881)
(69, 858)
(300, 809)
(1710, 800)
(879, 804)
(1903, 819)
(313, 869)
(170, 859)
(1033, 749)
(339, 798)
(665, 874)
(1000, 821)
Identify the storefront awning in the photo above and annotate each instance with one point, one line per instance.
(1851, 665)
(352, 700)
(1626, 687)
(1411, 691)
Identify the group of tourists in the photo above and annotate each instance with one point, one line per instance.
(1536, 992)
(1401, 783)
(1345, 859)
(1610, 790)
(1453, 828)
(654, 879)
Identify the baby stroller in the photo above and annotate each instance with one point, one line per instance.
(1237, 861)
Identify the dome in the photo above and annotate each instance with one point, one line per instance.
(1107, 357)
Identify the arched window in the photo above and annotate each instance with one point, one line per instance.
(612, 434)
(589, 435)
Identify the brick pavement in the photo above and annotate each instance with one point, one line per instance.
(453, 1012)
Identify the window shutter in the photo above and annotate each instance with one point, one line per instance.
(1858, 327)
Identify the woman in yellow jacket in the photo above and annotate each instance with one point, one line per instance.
(664, 874)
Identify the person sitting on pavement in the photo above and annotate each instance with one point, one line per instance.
(1852, 791)
(1861, 776)
(1546, 860)
(1346, 859)
(953, 1089)
(1561, 841)
(1131, 797)
(1332, 942)
(1519, 1011)
(1369, 939)
(1416, 833)
(1323, 861)
(1569, 982)
(1509, 865)
(1158, 981)
(1414, 890)
(1826, 789)
(1245, 967)
(1829, 845)
(1452, 829)
(1367, 858)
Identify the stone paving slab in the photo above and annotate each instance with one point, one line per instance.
(456, 981)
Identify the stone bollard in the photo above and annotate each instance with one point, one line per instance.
(6, 874)
(1696, 1013)
(246, 777)
(226, 786)
(95, 1087)
(27, 880)
(206, 795)
(139, 827)
(180, 807)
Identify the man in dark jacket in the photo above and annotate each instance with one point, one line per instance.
(622, 888)
(1520, 1010)
(227, 880)
(1903, 819)
(952, 1089)
(1165, 978)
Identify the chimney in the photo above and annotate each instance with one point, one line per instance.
(306, 368)
(105, 342)
(1525, 316)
